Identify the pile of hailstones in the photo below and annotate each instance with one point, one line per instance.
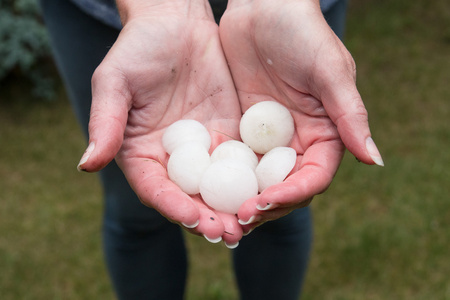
(232, 173)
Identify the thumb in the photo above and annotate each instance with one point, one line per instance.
(109, 113)
(350, 116)
(346, 109)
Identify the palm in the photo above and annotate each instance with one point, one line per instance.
(268, 61)
(168, 87)
(165, 71)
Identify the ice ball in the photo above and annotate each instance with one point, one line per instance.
(186, 166)
(235, 150)
(274, 166)
(266, 125)
(184, 131)
(227, 184)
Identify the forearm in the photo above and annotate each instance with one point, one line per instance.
(131, 9)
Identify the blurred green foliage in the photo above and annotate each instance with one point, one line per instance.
(24, 45)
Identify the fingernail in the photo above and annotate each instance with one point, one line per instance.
(191, 226)
(232, 246)
(214, 241)
(86, 156)
(248, 232)
(251, 220)
(267, 207)
(373, 152)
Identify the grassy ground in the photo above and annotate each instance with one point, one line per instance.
(380, 233)
(383, 233)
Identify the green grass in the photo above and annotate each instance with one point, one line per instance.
(380, 233)
(50, 213)
(383, 233)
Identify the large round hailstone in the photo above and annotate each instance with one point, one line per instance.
(184, 131)
(186, 166)
(274, 166)
(266, 125)
(226, 184)
(235, 150)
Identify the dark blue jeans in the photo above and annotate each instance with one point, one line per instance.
(146, 254)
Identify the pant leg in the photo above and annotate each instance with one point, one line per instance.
(144, 252)
(336, 16)
(271, 262)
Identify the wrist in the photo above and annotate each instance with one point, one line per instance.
(234, 3)
(132, 9)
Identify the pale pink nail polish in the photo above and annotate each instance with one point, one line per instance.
(86, 156)
(267, 207)
(373, 152)
(231, 246)
(191, 226)
(251, 220)
(214, 241)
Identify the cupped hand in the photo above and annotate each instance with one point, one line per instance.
(285, 51)
(167, 64)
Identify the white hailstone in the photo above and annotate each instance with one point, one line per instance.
(186, 166)
(266, 125)
(274, 166)
(184, 131)
(236, 150)
(226, 184)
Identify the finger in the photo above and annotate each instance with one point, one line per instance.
(149, 180)
(316, 170)
(259, 215)
(336, 87)
(211, 225)
(347, 111)
(109, 112)
(232, 230)
(247, 229)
